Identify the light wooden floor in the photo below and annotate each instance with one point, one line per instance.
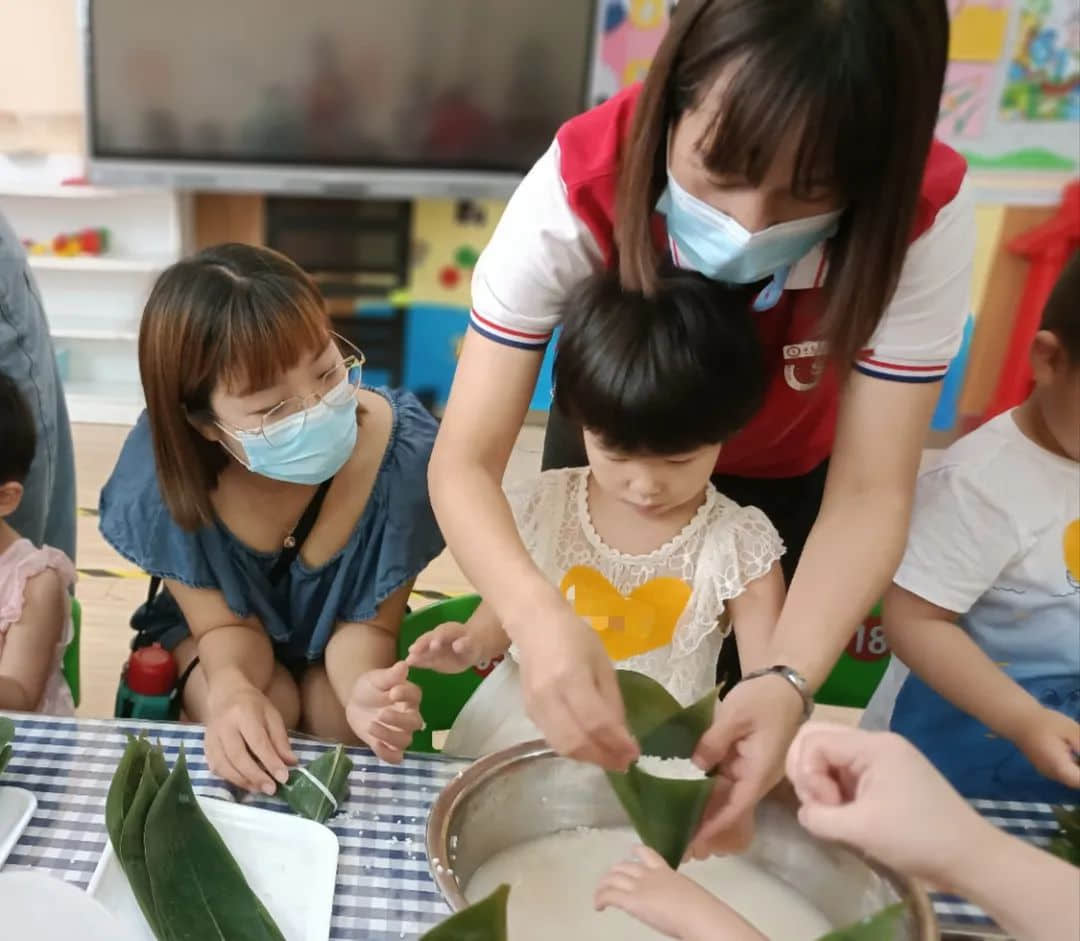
(110, 588)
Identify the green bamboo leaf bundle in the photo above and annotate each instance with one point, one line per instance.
(484, 921)
(665, 813)
(1067, 842)
(182, 874)
(318, 790)
(7, 736)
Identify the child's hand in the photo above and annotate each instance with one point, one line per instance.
(246, 742)
(384, 711)
(449, 648)
(1051, 742)
(647, 888)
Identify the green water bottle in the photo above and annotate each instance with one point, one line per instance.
(148, 685)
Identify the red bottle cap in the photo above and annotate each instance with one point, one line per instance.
(151, 671)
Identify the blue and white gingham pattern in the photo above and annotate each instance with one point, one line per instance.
(1033, 822)
(384, 891)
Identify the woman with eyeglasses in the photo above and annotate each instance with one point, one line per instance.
(285, 507)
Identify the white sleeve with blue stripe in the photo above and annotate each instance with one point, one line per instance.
(923, 327)
(540, 251)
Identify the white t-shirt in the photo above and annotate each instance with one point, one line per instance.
(995, 537)
(542, 249)
(717, 554)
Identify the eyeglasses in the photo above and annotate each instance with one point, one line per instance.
(336, 388)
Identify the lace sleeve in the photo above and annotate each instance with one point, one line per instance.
(758, 545)
(741, 546)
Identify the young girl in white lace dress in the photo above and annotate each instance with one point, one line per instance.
(651, 555)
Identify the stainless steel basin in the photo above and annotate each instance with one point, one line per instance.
(527, 792)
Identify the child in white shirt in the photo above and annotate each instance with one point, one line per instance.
(985, 608)
(652, 556)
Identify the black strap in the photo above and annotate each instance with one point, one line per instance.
(300, 533)
(288, 554)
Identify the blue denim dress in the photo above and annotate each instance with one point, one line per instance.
(392, 542)
(46, 515)
(976, 762)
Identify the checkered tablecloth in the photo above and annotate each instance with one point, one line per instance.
(384, 891)
(1034, 822)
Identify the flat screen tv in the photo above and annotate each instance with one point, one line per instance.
(362, 98)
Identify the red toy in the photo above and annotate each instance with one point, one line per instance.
(86, 242)
(1047, 247)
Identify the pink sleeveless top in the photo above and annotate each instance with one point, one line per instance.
(20, 563)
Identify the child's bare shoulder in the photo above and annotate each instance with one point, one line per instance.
(45, 600)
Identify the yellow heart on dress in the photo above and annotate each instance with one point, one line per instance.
(627, 625)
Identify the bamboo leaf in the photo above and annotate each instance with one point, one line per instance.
(7, 736)
(1069, 821)
(886, 925)
(131, 848)
(1066, 844)
(665, 813)
(303, 791)
(199, 891)
(484, 921)
(125, 783)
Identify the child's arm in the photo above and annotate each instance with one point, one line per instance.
(29, 649)
(453, 648)
(381, 705)
(927, 639)
(755, 613)
(647, 888)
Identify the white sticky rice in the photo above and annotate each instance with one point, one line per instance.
(680, 769)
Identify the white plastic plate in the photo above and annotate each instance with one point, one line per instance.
(16, 808)
(47, 909)
(289, 862)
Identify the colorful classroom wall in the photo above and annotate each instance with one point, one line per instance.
(1011, 104)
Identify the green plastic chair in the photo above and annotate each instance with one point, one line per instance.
(860, 668)
(70, 663)
(443, 695)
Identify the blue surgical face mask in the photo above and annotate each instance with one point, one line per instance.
(314, 455)
(706, 240)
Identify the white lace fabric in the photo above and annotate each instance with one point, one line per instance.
(718, 553)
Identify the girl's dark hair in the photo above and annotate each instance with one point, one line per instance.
(17, 433)
(665, 373)
(235, 315)
(1062, 313)
(860, 80)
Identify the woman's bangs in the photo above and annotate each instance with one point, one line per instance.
(761, 108)
(265, 337)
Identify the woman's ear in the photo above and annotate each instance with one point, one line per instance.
(204, 425)
(11, 495)
(1047, 357)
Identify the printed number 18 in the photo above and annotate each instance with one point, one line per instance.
(869, 642)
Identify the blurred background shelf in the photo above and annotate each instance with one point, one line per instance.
(99, 263)
(94, 302)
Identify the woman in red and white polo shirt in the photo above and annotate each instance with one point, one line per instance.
(782, 141)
